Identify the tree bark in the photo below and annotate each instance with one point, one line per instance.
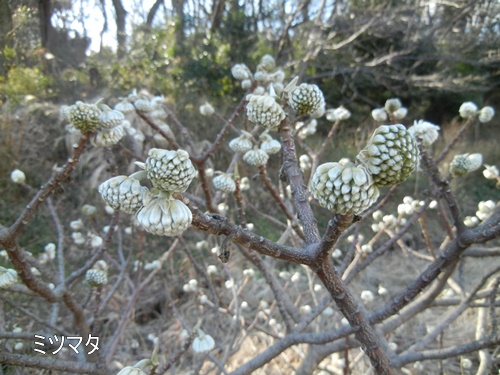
(121, 36)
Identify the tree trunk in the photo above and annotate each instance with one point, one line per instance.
(180, 24)
(152, 12)
(44, 15)
(5, 29)
(121, 35)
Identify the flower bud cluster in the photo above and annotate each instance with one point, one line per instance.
(98, 275)
(470, 110)
(96, 118)
(224, 182)
(465, 164)
(388, 159)
(169, 172)
(424, 132)
(392, 107)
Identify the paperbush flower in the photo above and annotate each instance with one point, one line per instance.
(270, 145)
(241, 72)
(392, 105)
(263, 110)
(490, 172)
(123, 193)
(108, 137)
(486, 114)
(241, 143)
(170, 171)
(84, 117)
(207, 109)
(203, 342)
(467, 109)
(130, 370)
(390, 156)
(306, 99)
(379, 114)
(111, 118)
(96, 277)
(424, 132)
(465, 163)
(256, 157)
(224, 182)
(267, 63)
(339, 113)
(124, 107)
(165, 217)
(344, 187)
(143, 105)
(17, 176)
(8, 277)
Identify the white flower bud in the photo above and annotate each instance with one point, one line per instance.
(400, 113)
(123, 193)
(130, 370)
(337, 253)
(468, 109)
(170, 171)
(270, 145)
(367, 296)
(392, 105)
(143, 105)
(379, 114)
(465, 164)
(343, 188)
(263, 110)
(17, 176)
(212, 269)
(391, 155)
(165, 217)
(224, 182)
(108, 137)
(306, 99)
(88, 210)
(305, 162)
(110, 119)
(471, 221)
(256, 157)
(486, 114)
(84, 117)
(242, 143)
(246, 84)
(490, 172)
(241, 72)
(124, 107)
(8, 277)
(267, 63)
(207, 109)
(203, 343)
(76, 224)
(96, 278)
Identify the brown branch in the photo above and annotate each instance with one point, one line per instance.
(48, 363)
(454, 141)
(300, 192)
(46, 190)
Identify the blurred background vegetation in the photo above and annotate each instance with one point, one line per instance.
(433, 55)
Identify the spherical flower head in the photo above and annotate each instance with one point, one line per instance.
(124, 107)
(270, 145)
(111, 118)
(241, 72)
(379, 114)
(367, 296)
(84, 117)
(224, 182)
(96, 278)
(392, 105)
(143, 105)
(246, 84)
(424, 132)
(203, 343)
(165, 217)
(8, 277)
(468, 109)
(242, 143)
(400, 113)
(123, 193)
(108, 137)
(130, 370)
(490, 172)
(306, 99)
(256, 157)
(207, 109)
(169, 170)
(486, 114)
(390, 156)
(17, 176)
(465, 164)
(343, 188)
(267, 63)
(263, 110)
(339, 113)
